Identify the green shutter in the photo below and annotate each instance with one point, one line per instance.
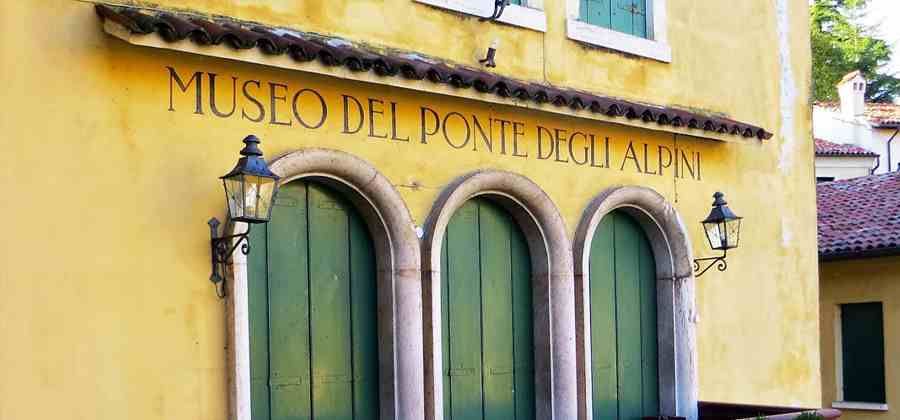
(603, 321)
(486, 316)
(288, 308)
(649, 332)
(596, 12)
(862, 345)
(258, 296)
(313, 323)
(623, 321)
(626, 16)
(517, 2)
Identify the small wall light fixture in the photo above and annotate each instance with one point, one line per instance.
(723, 231)
(488, 60)
(250, 190)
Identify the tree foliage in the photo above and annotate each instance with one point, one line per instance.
(842, 44)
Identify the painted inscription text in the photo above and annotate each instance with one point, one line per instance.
(379, 119)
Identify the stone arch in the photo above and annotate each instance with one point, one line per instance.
(399, 289)
(554, 319)
(660, 221)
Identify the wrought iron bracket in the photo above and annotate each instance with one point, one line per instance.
(499, 6)
(719, 262)
(222, 247)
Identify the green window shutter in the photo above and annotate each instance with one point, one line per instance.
(626, 16)
(486, 314)
(862, 345)
(639, 18)
(313, 323)
(517, 2)
(624, 356)
(596, 12)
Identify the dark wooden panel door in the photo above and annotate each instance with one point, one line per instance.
(624, 372)
(486, 313)
(313, 310)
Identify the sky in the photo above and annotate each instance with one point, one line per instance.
(886, 13)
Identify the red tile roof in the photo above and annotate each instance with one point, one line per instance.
(827, 148)
(849, 76)
(879, 114)
(330, 51)
(859, 217)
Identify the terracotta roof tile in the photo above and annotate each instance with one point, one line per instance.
(859, 217)
(305, 47)
(827, 148)
(879, 114)
(849, 76)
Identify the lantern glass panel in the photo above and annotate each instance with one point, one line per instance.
(266, 190)
(714, 233)
(234, 193)
(732, 233)
(251, 196)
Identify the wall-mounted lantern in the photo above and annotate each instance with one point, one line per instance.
(723, 231)
(250, 190)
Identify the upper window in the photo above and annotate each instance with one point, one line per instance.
(626, 16)
(637, 27)
(524, 13)
(860, 360)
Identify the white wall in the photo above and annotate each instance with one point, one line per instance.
(832, 126)
(843, 167)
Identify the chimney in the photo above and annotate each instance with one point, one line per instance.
(852, 91)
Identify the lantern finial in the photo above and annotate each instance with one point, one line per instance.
(251, 147)
(719, 199)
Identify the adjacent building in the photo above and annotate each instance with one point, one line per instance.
(859, 254)
(842, 161)
(852, 120)
(482, 213)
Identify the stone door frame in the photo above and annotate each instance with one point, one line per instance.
(676, 319)
(398, 275)
(551, 259)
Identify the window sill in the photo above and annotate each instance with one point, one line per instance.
(614, 40)
(862, 406)
(515, 15)
(524, 17)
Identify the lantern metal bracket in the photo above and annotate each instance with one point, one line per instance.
(499, 7)
(719, 262)
(222, 248)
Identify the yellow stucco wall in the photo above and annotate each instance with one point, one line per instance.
(857, 281)
(106, 311)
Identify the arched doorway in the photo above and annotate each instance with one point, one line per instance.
(623, 317)
(550, 256)
(313, 310)
(662, 229)
(486, 314)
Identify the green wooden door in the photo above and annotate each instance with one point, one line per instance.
(486, 312)
(624, 359)
(313, 310)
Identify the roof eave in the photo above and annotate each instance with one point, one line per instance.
(860, 254)
(682, 121)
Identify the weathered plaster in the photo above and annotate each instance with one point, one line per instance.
(788, 88)
(118, 300)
